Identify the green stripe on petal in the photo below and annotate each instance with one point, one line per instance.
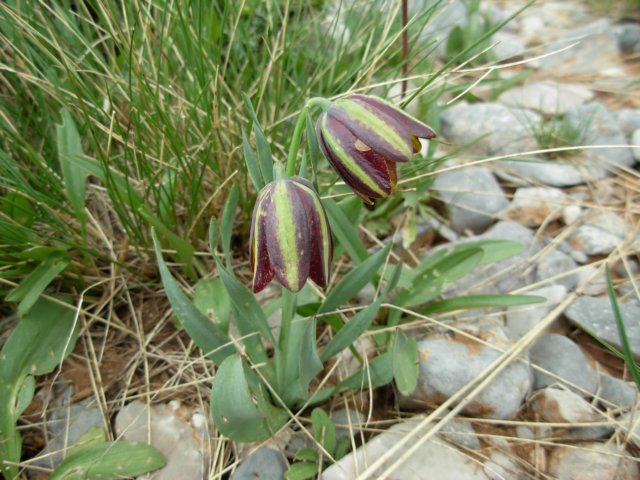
(348, 161)
(377, 126)
(286, 233)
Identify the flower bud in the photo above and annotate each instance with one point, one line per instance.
(363, 137)
(290, 236)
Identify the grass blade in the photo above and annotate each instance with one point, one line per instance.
(629, 359)
(481, 301)
(69, 147)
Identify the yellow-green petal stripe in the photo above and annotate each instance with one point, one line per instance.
(375, 124)
(286, 233)
(348, 161)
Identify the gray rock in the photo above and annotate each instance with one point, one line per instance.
(592, 240)
(596, 52)
(591, 281)
(591, 432)
(178, 440)
(543, 23)
(263, 464)
(556, 263)
(65, 427)
(348, 422)
(532, 206)
(571, 214)
(448, 363)
(531, 171)
(547, 97)
(460, 433)
(628, 119)
(628, 35)
(472, 195)
(520, 320)
(490, 128)
(591, 461)
(596, 316)
(500, 467)
(600, 128)
(563, 406)
(563, 358)
(635, 143)
(618, 392)
(435, 458)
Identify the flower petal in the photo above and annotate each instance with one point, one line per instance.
(288, 236)
(363, 169)
(380, 132)
(259, 257)
(413, 126)
(321, 243)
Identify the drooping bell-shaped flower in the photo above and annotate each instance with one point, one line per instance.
(290, 236)
(363, 137)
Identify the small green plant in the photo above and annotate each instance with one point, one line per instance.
(308, 460)
(254, 393)
(558, 132)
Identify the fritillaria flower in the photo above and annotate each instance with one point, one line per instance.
(290, 236)
(363, 137)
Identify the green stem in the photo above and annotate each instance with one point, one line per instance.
(289, 301)
(299, 128)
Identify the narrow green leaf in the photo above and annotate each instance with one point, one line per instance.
(213, 236)
(265, 159)
(405, 362)
(239, 412)
(345, 232)
(456, 265)
(299, 361)
(109, 460)
(480, 301)
(206, 335)
(428, 284)
(492, 250)
(355, 280)
(245, 303)
(302, 471)
(252, 163)
(30, 289)
(351, 331)
(393, 281)
(323, 430)
(226, 225)
(70, 146)
(212, 299)
(629, 358)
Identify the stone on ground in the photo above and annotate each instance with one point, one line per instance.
(449, 363)
(563, 358)
(472, 195)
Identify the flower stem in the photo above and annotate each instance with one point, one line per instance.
(299, 128)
